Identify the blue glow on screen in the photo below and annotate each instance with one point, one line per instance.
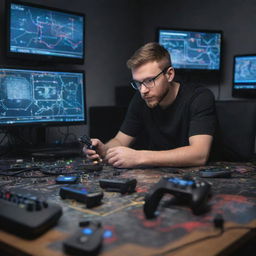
(245, 71)
(31, 96)
(192, 50)
(46, 32)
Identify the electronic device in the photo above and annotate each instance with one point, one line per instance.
(215, 173)
(66, 179)
(82, 194)
(119, 185)
(41, 97)
(195, 193)
(86, 241)
(192, 49)
(87, 141)
(244, 76)
(26, 215)
(43, 33)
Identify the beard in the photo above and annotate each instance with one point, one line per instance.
(155, 101)
(152, 103)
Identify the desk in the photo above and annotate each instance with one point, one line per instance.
(234, 198)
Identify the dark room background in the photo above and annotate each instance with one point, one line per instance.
(115, 28)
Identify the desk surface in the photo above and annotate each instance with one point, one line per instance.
(174, 232)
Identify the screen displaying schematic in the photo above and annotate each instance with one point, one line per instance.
(45, 31)
(32, 96)
(244, 72)
(192, 49)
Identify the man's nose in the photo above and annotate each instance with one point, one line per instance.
(143, 88)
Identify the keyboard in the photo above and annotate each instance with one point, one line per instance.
(25, 215)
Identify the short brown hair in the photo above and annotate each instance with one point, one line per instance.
(149, 52)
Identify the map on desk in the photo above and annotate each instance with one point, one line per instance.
(122, 216)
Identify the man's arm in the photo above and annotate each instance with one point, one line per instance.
(195, 154)
(121, 139)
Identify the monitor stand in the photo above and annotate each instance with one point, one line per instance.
(32, 142)
(44, 150)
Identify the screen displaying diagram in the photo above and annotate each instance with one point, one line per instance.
(30, 96)
(192, 50)
(245, 72)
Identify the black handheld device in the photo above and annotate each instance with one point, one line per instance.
(86, 241)
(26, 215)
(66, 179)
(80, 193)
(119, 185)
(87, 141)
(194, 192)
(215, 173)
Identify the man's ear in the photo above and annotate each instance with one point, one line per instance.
(170, 74)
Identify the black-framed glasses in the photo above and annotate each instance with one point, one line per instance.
(149, 82)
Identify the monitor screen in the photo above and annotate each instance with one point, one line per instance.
(244, 76)
(44, 33)
(191, 49)
(39, 97)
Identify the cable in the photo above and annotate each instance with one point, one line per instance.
(218, 223)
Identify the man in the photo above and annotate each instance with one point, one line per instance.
(178, 119)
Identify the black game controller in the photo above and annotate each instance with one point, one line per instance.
(215, 172)
(87, 141)
(118, 185)
(194, 192)
(86, 241)
(81, 194)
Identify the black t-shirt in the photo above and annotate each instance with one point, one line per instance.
(192, 113)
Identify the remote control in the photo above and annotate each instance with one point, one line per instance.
(25, 215)
(81, 194)
(66, 179)
(119, 185)
(87, 141)
(86, 241)
(215, 173)
(194, 192)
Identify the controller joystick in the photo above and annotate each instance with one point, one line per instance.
(194, 192)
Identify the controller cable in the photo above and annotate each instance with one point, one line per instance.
(218, 222)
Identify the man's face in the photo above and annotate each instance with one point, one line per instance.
(159, 88)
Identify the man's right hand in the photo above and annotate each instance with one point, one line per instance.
(97, 154)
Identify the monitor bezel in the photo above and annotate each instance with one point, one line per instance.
(39, 57)
(241, 93)
(51, 123)
(195, 70)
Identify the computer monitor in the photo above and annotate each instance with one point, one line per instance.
(44, 33)
(192, 49)
(244, 76)
(41, 98)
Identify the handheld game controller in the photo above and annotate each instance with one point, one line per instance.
(194, 192)
(81, 194)
(215, 172)
(87, 141)
(86, 241)
(119, 185)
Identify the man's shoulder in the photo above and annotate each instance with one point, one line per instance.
(192, 90)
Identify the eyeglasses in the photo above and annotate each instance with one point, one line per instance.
(149, 82)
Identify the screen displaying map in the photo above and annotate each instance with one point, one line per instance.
(192, 49)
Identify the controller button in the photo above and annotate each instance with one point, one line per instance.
(83, 239)
(87, 231)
